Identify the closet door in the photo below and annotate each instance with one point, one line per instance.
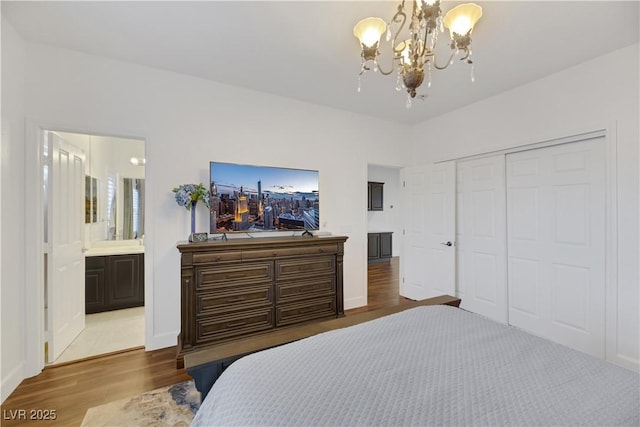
(481, 230)
(556, 243)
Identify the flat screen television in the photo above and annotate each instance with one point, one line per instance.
(248, 198)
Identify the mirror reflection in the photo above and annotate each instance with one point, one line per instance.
(115, 171)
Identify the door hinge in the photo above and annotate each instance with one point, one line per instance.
(402, 279)
(403, 232)
(404, 184)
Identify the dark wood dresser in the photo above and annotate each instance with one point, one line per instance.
(242, 287)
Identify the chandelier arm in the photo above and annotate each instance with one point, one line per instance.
(396, 18)
(424, 43)
(435, 63)
(467, 52)
(399, 13)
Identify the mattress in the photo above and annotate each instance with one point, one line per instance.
(434, 365)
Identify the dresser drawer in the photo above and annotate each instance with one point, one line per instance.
(213, 257)
(287, 252)
(256, 272)
(233, 298)
(305, 267)
(291, 313)
(217, 328)
(305, 288)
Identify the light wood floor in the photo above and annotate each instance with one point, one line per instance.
(71, 389)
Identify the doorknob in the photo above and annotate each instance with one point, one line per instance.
(446, 244)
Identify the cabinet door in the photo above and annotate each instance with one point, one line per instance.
(376, 199)
(126, 281)
(386, 245)
(94, 283)
(373, 240)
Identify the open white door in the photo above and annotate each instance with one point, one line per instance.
(428, 250)
(65, 275)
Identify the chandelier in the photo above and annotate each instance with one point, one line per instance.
(413, 54)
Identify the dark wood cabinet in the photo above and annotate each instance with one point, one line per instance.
(95, 283)
(380, 246)
(113, 282)
(242, 287)
(375, 191)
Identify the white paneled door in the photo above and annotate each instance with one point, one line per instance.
(481, 229)
(66, 295)
(428, 256)
(556, 243)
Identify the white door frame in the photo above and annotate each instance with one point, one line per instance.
(34, 244)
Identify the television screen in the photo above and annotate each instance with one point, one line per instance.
(261, 198)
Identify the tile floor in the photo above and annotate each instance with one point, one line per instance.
(107, 332)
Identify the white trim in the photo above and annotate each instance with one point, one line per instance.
(34, 276)
(11, 381)
(34, 230)
(612, 352)
(3, 135)
(533, 146)
(542, 139)
(149, 266)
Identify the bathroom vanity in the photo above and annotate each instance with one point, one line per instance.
(114, 278)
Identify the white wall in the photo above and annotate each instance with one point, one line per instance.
(600, 93)
(388, 219)
(12, 225)
(187, 122)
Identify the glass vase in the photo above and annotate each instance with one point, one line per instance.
(193, 217)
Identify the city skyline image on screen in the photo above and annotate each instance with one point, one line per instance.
(253, 198)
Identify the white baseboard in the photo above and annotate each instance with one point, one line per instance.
(625, 361)
(11, 381)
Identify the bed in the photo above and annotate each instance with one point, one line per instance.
(433, 365)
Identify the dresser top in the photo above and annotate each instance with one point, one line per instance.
(258, 243)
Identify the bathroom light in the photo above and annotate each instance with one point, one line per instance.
(137, 161)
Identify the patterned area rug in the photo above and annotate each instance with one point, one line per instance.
(168, 406)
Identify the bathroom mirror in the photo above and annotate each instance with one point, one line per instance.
(114, 186)
(132, 208)
(91, 200)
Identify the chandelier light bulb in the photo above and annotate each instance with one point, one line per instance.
(369, 30)
(462, 18)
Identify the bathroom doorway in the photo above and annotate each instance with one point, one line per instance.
(96, 225)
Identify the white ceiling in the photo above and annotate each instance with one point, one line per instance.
(306, 49)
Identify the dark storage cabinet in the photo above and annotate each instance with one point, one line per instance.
(380, 247)
(375, 196)
(114, 282)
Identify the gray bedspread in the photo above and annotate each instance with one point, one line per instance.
(428, 366)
